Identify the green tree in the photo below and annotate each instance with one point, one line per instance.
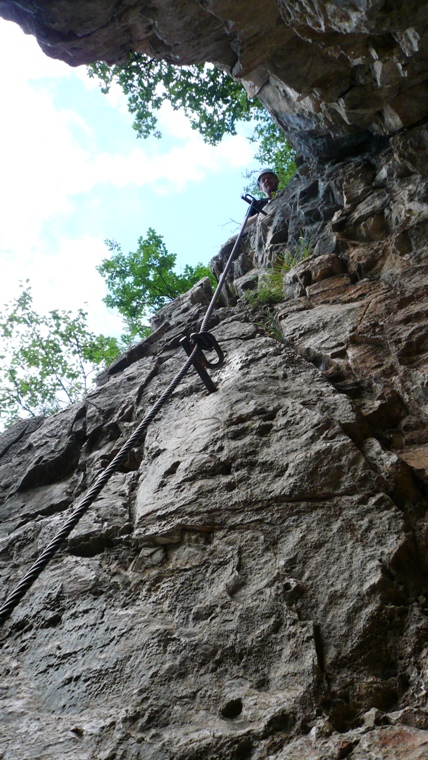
(210, 98)
(141, 282)
(46, 359)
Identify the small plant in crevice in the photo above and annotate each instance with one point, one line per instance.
(303, 249)
(265, 295)
(263, 317)
(269, 291)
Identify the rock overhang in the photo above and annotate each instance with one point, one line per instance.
(337, 78)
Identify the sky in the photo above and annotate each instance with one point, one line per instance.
(74, 173)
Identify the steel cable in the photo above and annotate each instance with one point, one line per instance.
(225, 272)
(33, 573)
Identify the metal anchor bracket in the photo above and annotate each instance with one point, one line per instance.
(255, 203)
(206, 341)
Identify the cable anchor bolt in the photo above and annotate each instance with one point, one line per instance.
(255, 203)
(206, 341)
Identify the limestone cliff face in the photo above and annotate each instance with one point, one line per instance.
(335, 75)
(253, 582)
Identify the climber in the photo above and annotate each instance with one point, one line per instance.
(268, 183)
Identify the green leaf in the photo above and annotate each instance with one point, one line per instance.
(210, 98)
(140, 282)
(47, 358)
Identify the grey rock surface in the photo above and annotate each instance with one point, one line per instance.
(252, 582)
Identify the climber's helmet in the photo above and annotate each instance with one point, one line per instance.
(268, 182)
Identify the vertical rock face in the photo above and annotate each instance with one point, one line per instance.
(336, 76)
(252, 582)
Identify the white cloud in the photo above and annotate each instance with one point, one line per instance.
(39, 157)
(33, 64)
(55, 283)
(44, 164)
(73, 270)
(189, 162)
(50, 155)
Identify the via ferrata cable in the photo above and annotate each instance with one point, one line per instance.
(33, 573)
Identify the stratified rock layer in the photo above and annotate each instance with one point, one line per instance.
(252, 583)
(337, 76)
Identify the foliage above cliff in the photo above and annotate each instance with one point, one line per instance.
(142, 281)
(211, 99)
(47, 360)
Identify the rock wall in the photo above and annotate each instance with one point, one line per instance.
(356, 307)
(252, 583)
(336, 76)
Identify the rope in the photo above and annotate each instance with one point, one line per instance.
(33, 573)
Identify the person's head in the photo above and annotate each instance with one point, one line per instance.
(268, 182)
